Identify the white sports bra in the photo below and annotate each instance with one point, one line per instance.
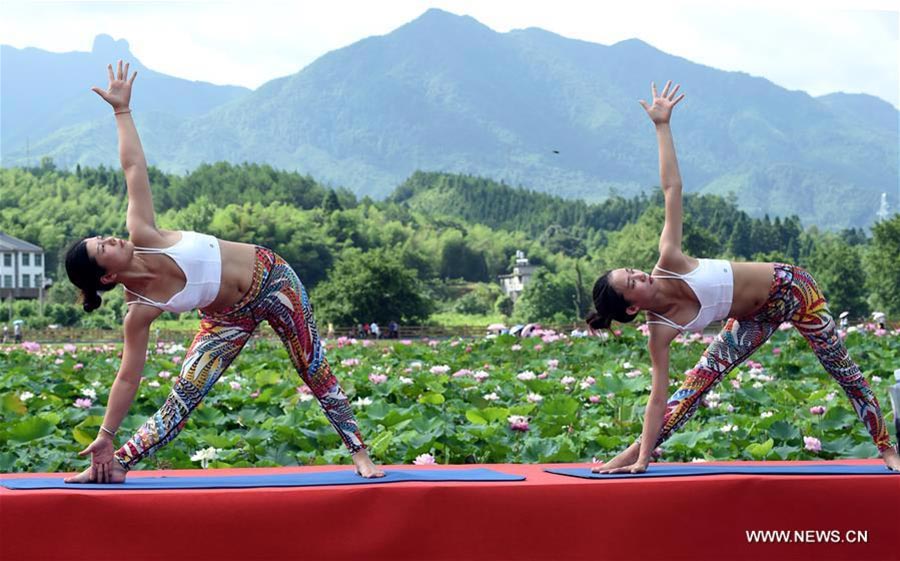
(200, 259)
(713, 285)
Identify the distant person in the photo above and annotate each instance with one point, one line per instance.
(330, 332)
(393, 330)
(687, 294)
(376, 331)
(5, 332)
(234, 285)
(17, 332)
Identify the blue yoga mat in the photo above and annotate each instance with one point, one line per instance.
(662, 470)
(342, 477)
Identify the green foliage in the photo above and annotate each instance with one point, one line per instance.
(370, 286)
(837, 267)
(589, 403)
(883, 266)
(548, 297)
(438, 226)
(479, 300)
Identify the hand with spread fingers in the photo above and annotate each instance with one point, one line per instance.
(660, 111)
(118, 93)
(102, 460)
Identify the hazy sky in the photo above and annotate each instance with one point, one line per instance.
(816, 46)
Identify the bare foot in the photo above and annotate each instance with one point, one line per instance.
(891, 459)
(364, 465)
(117, 474)
(625, 458)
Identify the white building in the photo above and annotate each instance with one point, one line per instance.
(21, 268)
(514, 283)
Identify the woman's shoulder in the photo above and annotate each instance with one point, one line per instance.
(154, 237)
(676, 262)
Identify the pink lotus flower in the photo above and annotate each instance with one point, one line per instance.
(377, 378)
(812, 443)
(255, 394)
(440, 369)
(518, 423)
(405, 342)
(516, 348)
(83, 402)
(552, 364)
(595, 399)
(58, 361)
(234, 385)
(350, 362)
(176, 360)
(817, 410)
(424, 460)
(776, 351)
(462, 373)
(31, 347)
(538, 347)
(534, 398)
(164, 374)
(78, 366)
(69, 348)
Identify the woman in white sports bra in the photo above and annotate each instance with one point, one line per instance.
(235, 286)
(686, 294)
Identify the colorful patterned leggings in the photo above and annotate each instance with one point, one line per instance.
(794, 297)
(277, 296)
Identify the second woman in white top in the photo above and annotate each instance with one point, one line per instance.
(686, 294)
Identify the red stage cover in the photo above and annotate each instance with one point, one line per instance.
(545, 517)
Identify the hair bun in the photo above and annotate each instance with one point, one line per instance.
(92, 301)
(596, 321)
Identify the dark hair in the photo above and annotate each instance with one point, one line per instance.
(85, 273)
(610, 305)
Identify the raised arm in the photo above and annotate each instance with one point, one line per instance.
(140, 219)
(660, 112)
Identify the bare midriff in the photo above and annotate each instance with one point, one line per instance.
(752, 282)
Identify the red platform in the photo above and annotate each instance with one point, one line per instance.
(545, 517)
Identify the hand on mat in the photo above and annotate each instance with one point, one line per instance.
(625, 458)
(118, 94)
(661, 109)
(891, 459)
(103, 464)
(364, 465)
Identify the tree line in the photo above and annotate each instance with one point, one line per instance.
(438, 242)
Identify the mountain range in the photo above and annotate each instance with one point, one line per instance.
(446, 93)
